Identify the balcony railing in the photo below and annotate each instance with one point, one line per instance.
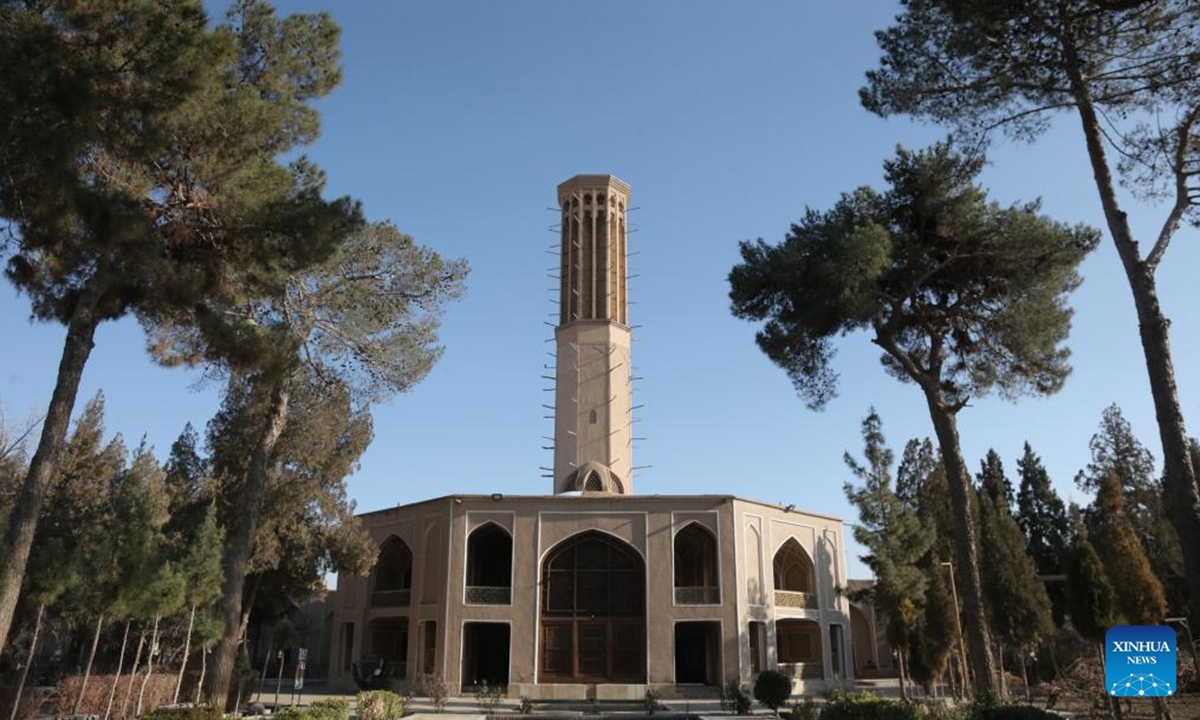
(486, 595)
(791, 598)
(803, 670)
(391, 598)
(697, 596)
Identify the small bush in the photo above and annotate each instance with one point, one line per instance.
(650, 701)
(772, 689)
(487, 696)
(1017, 712)
(867, 706)
(379, 705)
(330, 709)
(200, 712)
(434, 688)
(526, 707)
(735, 698)
(806, 710)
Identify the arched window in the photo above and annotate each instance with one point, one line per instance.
(593, 611)
(696, 580)
(592, 483)
(489, 566)
(391, 580)
(795, 578)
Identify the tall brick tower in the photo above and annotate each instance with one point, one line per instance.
(593, 439)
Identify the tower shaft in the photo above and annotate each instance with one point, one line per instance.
(593, 443)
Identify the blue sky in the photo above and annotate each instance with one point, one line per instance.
(458, 119)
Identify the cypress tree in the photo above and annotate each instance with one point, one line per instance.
(1042, 516)
(1117, 451)
(935, 636)
(1141, 599)
(894, 536)
(1018, 607)
(994, 482)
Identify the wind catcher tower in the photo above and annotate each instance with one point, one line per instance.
(593, 439)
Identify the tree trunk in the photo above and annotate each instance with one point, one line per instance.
(1114, 703)
(1025, 678)
(1162, 711)
(203, 671)
(88, 670)
(18, 540)
(1000, 672)
(1179, 475)
(187, 648)
(37, 630)
(137, 659)
(262, 685)
(112, 693)
(241, 543)
(902, 668)
(979, 646)
(149, 667)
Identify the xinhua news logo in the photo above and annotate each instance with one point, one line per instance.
(1139, 661)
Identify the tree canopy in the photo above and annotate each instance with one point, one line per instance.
(1128, 72)
(964, 297)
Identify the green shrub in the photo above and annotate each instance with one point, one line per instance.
(526, 705)
(867, 706)
(330, 709)
(379, 705)
(200, 712)
(806, 710)
(772, 689)
(1017, 712)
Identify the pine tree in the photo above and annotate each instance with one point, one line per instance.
(894, 536)
(115, 211)
(1042, 516)
(1126, 71)
(962, 296)
(363, 323)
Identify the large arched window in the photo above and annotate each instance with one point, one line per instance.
(593, 611)
(696, 580)
(391, 580)
(795, 578)
(489, 566)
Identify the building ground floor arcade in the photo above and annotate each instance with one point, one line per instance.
(600, 596)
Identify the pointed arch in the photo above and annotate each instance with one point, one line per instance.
(489, 565)
(793, 568)
(391, 578)
(695, 571)
(593, 611)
